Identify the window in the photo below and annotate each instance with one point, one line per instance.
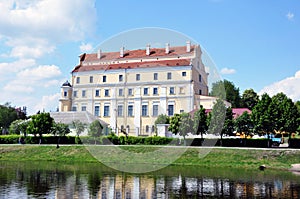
(91, 79)
(172, 90)
(155, 76)
(106, 92)
(120, 78)
(75, 94)
(83, 108)
(181, 90)
(74, 108)
(144, 110)
(65, 93)
(200, 78)
(184, 74)
(97, 93)
(130, 110)
(181, 111)
(138, 77)
(200, 92)
(104, 78)
(120, 110)
(146, 91)
(152, 129)
(147, 128)
(83, 93)
(78, 80)
(155, 91)
(120, 92)
(106, 110)
(169, 76)
(155, 110)
(170, 110)
(97, 110)
(130, 92)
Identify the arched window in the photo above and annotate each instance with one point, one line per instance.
(147, 128)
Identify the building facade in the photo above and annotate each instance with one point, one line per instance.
(130, 88)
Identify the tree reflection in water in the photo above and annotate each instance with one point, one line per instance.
(45, 180)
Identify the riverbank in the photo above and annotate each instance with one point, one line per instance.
(191, 156)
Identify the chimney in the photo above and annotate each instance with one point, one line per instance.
(188, 46)
(148, 49)
(167, 48)
(122, 52)
(99, 53)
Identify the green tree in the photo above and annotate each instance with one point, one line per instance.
(249, 98)
(40, 124)
(217, 117)
(228, 127)
(261, 116)
(200, 122)
(8, 114)
(59, 130)
(298, 105)
(79, 127)
(181, 124)
(243, 123)
(95, 129)
(18, 127)
(226, 90)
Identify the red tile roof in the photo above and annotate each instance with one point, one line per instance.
(150, 64)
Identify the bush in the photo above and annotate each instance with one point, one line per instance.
(294, 143)
(9, 139)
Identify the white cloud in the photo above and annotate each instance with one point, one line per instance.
(40, 73)
(290, 86)
(85, 47)
(15, 66)
(48, 102)
(290, 16)
(227, 71)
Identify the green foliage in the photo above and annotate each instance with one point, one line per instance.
(18, 126)
(228, 123)
(95, 129)
(217, 117)
(249, 99)
(161, 119)
(7, 115)
(243, 123)
(79, 126)
(226, 90)
(60, 129)
(200, 122)
(174, 123)
(40, 124)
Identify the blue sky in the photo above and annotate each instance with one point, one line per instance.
(254, 44)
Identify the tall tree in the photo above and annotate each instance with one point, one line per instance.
(40, 124)
(200, 122)
(228, 127)
(261, 116)
(226, 90)
(95, 129)
(181, 124)
(8, 114)
(217, 117)
(79, 127)
(161, 119)
(243, 124)
(18, 127)
(249, 98)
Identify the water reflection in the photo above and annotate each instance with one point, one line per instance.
(30, 180)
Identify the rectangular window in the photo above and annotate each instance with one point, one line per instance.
(97, 93)
(200, 92)
(172, 90)
(144, 110)
(169, 76)
(181, 90)
(74, 108)
(91, 79)
(120, 92)
(120, 78)
(65, 93)
(106, 111)
(130, 110)
(184, 74)
(120, 110)
(83, 108)
(138, 77)
(155, 76)
(75, 94)
(155, 91)
(155, 110)
(104, 78)
(97, 110)
(181, 111)
(170, 110)
(130, 92)
(83, 93)
(78, 80)
(146, 91)
(106, 92)
(200, 78)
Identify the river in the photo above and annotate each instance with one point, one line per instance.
(62, 180)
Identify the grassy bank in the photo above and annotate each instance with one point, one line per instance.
(150, 155)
